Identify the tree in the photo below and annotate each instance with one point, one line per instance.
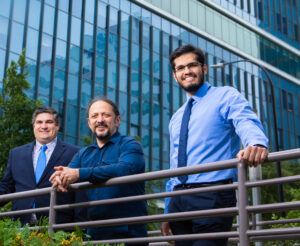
(16, 110)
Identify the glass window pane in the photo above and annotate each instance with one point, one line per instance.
(2, 62)
(5, 7)
(73, 89)
(75, 31)
(87, 65)
(60, 56)
(16, 41)
(48, 20)
(62, 25)
(45, 80)
(156, 117)
(88, 37)
(123, 78)
(146, 141)
(146, 61)
(125, 25)
(89, 10)
(31, 69)
(102, 9)
(3, 31)
(101, 41)
(135, 83)
(146, 35)
(32, 43)
(124, 51)
(99, 90)
(113, 20)
(156, 65)
(112, 74)
(166, 120)
(135, 57)
(74, 60)
(167, 95)
(100, 69)
(59, 85)
(135, 107)
(64, 5)
(86, 92)
(19, 10)
(135, 30)
(123, 105)
(146, 87)
(113, 47)
(217, 25)
(46, 50)
(156, 36)
(84, 128)
(146, 114)
(111, 94)
(193, 14)
(77, 8)
(72, 113)
(34, 13)
(155, 146)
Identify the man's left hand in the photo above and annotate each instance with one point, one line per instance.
(64, 176)
(253, 155)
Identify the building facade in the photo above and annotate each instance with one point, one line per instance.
(80, 49)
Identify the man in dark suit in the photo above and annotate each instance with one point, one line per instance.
(31, 165)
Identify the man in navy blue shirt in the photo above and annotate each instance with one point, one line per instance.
(215, 120)
(111, 155)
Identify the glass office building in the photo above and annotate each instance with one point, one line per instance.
(80, 49)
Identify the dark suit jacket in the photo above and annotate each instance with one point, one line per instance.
(19, 176)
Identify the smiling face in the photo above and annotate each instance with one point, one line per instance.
(102, 121)
(189, 73)
(45, 128)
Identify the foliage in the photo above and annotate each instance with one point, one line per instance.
(16, 110)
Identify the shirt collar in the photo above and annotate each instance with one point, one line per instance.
(201, 92)
(49, 145)
(114, 138)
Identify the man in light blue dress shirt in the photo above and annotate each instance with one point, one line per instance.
(220, 118)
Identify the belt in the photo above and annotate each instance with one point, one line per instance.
(198, 185)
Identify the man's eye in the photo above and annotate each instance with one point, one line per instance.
(179, 68)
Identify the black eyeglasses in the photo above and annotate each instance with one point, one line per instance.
(191, 65)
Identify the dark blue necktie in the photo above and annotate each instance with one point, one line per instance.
(41, 164)
(182, 157)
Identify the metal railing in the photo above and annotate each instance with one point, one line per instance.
(245, 234)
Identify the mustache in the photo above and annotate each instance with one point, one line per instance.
(101, 124)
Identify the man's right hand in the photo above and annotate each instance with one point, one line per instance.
(166, 231)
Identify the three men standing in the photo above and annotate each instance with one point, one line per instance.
(208, 128)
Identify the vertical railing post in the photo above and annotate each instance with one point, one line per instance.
(52, 212)
(242, 204)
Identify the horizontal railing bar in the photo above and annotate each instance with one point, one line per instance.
(275, 238)
(279, 231)
(283, 155)
(273, 181)
(25, 211)
(184, 237)
(151, 218)
(275, 222)
(274, 207)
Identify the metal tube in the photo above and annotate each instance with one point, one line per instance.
(52, 212)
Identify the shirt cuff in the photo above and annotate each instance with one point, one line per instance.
(84, 174)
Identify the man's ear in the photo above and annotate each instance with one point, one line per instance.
(175, 77)
(204, 69)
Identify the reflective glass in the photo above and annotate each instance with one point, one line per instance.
(48, 20)
(51, 2)
(19, 10)
(135, 56)
(88, 36)
(46, 49)
(111, 94)
(166, 120)
(146, 61)
(135, 30)
(32, 43)
(156, 21)
(102, 9)
(31, 77)
(3, 31)
(145, 140)
(72, 119)
(156, 65)
(113, 42)
(155, 147)
(146, 114)
(193, 14)
(176, 98)
(146, 35)
(45, 80)
(114, 3)
(166, 44)
(77, 8)
(62, 25)
(135, 85)
(156, 36)
(5, 7)
(112, 74)
(146, 16)
(87, 65)
(59, 85)
(125, 20)
(166, 69)
(99, 90)
(74, 60)
(16, 41)
(100, 69)
(135, 107)
(75, 31)
(135, 10)
(156, 116)
(86, 92)
(71, 140)
(73, 83)
(113, 20)
(123, 105)
(146, 87)
(124, 51)
(60, 55)
(89, 10)
(64, 5)
(84, 128)
(166, 95)
(123, 78)
(156, 90)
(2, 62)
(101, 41)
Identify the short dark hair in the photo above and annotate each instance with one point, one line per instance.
(45, 109)
(103, 99)
(186, 49)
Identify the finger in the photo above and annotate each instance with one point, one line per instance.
(59, 168)
(264, 155)
(54, 175)
(240, 155)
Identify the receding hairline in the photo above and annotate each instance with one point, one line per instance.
(107, 101)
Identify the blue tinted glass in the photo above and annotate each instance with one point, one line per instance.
(51, 2)
(5, 7)
(135, 10)
(101, 41)
(19, 10)
(124, 50)
(156, 117)
(146, 16)
(146, 35)
(146, 87)
(135, 57)
(155, 149)
(166, 26)
(77, 8)
(48, 21)
(135, 85)
(89, 10)
(156, 90)
(156, 21)
(123, 105)
(146, 114)
(88, 37)
(74, 61)
(166, 69)
(59, 85)
(64, 5)
(16, 41)
(72, 113)
(166, 120)
(44, 99)
(145, 140)
(32, 43)
(2, 62)
(71, 140)
(125, 6)
(100, 69)
(60, 56)
(114, 3)
(125, 20)
(73, 89)
(111, 94)
(123, 78)
(146, 61)
(135, 30)
(102, 9)
(84, 128)
(34, 13)
(45, 80)
(3, 31)
(123, 128)
(166, 44)
(176, 98)
(113, 20)
(156, 36)
(113, 47)
(62, 25)
(46, 50)
(75, 31)
(87, 65)
(135, 107)
(167, 95)
(99, 90)
(31, 77)
(86, 92)
(112, 74)
(156, 65)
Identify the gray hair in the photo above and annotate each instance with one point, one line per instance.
(45, 109)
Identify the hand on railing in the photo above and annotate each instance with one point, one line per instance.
(253, 155)
(166, 231)
(63, 177)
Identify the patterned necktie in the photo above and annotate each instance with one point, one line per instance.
(41, 164)
(182, 157)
